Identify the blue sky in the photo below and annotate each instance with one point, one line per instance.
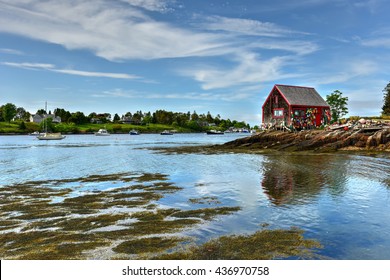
(220, 56)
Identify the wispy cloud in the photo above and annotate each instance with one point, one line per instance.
(53, 68)
(246, 27)
(250, 68)
(205, 96)
(378, 42)
(112, 31)
(11, 51)
(151, 5)
(124, 30)
(30, 66)
(352, 69)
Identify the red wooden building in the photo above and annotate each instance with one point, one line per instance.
(301, 107)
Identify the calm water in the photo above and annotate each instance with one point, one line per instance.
(341, 200)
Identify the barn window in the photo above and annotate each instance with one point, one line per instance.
(278, 113)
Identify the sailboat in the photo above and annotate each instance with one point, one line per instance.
(49, 136)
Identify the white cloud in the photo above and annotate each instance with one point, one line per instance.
(97, 74)
(122, 30)
(246, 27)
(352, 69)
(151, 5)
(53, 68)
(114, 32)
(30, 66)
(249, 69)
(205, 96)
(379, 42)
(11, 51)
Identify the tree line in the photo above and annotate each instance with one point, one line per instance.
(193, 121)
(338, 104)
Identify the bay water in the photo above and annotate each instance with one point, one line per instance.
(341, 200)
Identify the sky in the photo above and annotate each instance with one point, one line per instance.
(222, 57)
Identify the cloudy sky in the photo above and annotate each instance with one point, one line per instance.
(182, 55)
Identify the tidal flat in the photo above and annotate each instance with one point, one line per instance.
(58, 219)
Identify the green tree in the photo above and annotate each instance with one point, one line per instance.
(386, 101)
(78, 118)
(47, 125)
(63, 114)
(20, 113)
(338, 105)
(116, 118)
(194, 116)
(9, 112)
(41, 112)
(22, 126)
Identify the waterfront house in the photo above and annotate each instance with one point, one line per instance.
(39, 118)
(301, 107)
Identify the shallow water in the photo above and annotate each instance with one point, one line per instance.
(341, 200)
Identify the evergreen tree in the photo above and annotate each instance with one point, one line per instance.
(386, 101)
(116, 118)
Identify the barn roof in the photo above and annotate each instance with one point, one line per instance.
(305, 96)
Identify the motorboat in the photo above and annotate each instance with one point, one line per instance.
(133, 132)
(166, 132)
(35, 133)
(214, 132)
(50, 136)
(102, 132)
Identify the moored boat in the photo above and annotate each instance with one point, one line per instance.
(48, 135)
(214, 132)
(35, 133)
(133, 132)
(166, 132)
(102, 132)
(51, 136)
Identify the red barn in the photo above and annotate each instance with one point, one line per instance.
(301, 107)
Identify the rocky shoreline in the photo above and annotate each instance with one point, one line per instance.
(315, 140)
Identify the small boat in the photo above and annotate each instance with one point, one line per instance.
(133, 132)
(50, 136)
(35, 133)
(166, 132)
(214, 132)
(102, 132)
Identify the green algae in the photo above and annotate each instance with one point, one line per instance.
(262, 245)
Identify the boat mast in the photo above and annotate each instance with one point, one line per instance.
(45, 119)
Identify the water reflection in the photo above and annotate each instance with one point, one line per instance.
(297, 179)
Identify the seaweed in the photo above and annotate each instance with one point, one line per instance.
(148, 245)
(42, 220)
(262, 245)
